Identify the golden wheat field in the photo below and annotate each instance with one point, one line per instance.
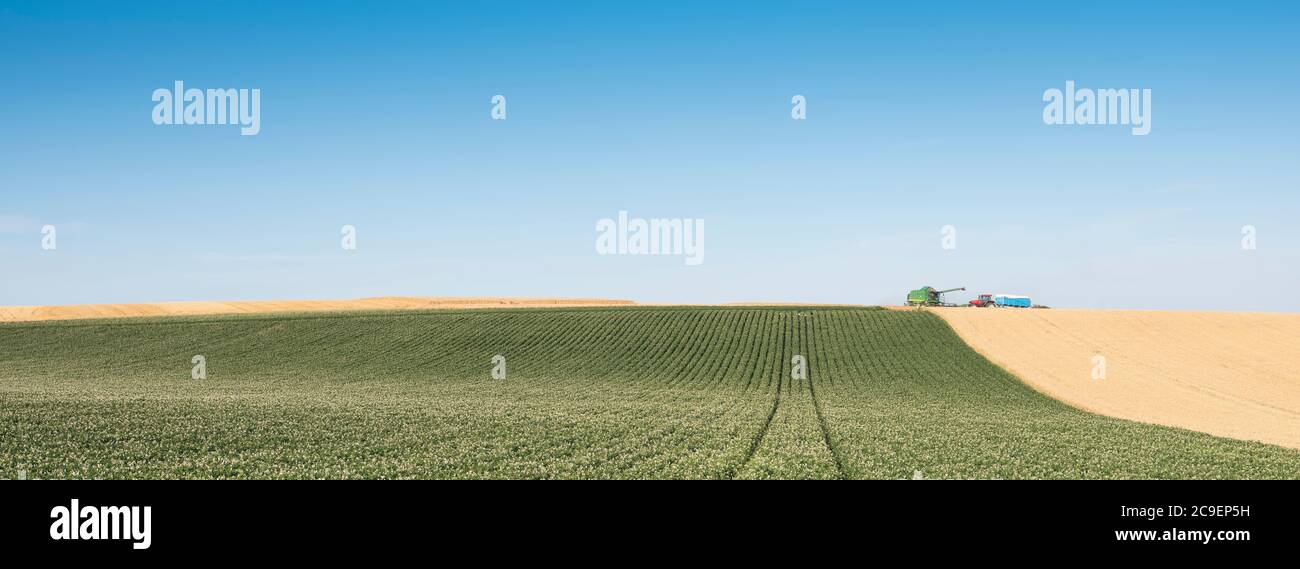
(199, 308)
(1231, 374)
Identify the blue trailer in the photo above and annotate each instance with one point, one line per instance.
(1012, 300)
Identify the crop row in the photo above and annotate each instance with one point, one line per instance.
(681, 392)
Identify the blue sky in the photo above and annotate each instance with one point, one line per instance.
(919, 115)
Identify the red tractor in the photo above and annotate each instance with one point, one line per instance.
(984, 300)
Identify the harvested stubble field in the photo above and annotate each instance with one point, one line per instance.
(629, 392)
(1232, 374)
(204, 307)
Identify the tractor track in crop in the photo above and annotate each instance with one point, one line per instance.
(826, 432)
(758, 437)
(778, 334)
(817, 404)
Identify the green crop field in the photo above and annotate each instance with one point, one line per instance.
(641, 392)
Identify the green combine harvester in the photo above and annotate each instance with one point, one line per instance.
(928, 296)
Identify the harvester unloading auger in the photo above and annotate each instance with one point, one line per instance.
(928, 296)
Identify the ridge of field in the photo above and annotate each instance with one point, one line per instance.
(1232, 374)
(629, 392)
(202, 308)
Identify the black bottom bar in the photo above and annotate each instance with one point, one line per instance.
(322, 519)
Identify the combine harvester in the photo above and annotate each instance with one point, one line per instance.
(928, 296)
